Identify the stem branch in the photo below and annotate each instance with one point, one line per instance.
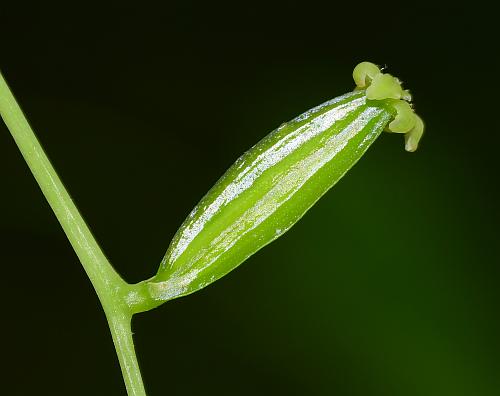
(109, 286)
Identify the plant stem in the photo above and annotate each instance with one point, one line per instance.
(109, 286)
(119, 321)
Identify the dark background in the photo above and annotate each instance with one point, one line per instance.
(389, 285)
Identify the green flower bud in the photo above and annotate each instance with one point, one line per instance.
(272, 185)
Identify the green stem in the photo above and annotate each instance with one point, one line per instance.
(109, 286)
(119, 321)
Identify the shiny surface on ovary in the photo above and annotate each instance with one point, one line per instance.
(266, 191)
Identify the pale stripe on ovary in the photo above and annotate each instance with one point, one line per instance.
(264, 161)
(281, 192)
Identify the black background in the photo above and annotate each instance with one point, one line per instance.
(389, 286)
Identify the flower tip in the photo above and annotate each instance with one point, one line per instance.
(387, 88)
(412, 138)
(364, 73)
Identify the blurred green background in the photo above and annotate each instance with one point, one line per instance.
(388, 286)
